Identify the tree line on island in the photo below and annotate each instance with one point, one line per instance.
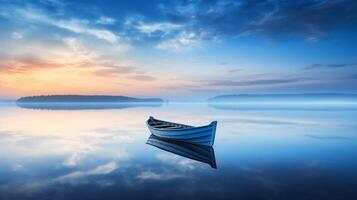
(86, 99)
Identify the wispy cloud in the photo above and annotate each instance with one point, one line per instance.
(105, 20)
(234, 70)
(167, 35)
(112, 71)
(329, 66)
(255, 82)
(82, 26)
(215, 20)
(75, 25)
(131, 72)
(71, 53)
(17, 35)
(142, 77)
(184, 39)
(165, 27)
(27, 63)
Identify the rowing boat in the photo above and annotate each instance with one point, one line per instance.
(203, 135)
(201, 153)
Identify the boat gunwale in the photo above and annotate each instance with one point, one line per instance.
(182, 129)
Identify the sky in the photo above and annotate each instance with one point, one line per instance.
(177, 48)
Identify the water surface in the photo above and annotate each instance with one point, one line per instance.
(102, 154)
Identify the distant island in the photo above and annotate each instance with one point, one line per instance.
(86, 99)
(85, 102)
(250, 98)
(285, 102)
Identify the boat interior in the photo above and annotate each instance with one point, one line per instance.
(166, 125)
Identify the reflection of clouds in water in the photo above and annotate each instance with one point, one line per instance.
(278, 179)
(81, 152)
(175, 167)
(159, 176)
(17, 167)
(62, 142)
(21, 145)
(72, 160)
(79, 157)
(105, 183)
(123, 135)
(260, 178)
(179, 162)
(32, 186)
(75, 147)
(99, 170)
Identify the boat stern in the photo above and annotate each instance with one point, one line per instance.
(214, 127)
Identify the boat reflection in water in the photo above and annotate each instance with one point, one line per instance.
(201, 153)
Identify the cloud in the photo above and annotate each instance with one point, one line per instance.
(165, 28)
(310, 18)
(25, 63)
(184, 23)
(142, 77)
(164, 35)
(184, 39)
(234, 70)
(105, 20)
(35, 15)
(255, 82)
(115, 70)
(217, 19)
(17, 35)
(81, 26)
(112, 71)
(329, 66)
(67, 52)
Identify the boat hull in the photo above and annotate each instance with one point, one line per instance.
(203, 135)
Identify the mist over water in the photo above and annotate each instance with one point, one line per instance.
(102, 154)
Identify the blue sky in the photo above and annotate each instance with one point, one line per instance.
(177, 48)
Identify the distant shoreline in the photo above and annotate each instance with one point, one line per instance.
(282, 97)
(85, 99)
(85, 102)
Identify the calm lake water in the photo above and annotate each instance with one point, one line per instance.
(102, 154)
